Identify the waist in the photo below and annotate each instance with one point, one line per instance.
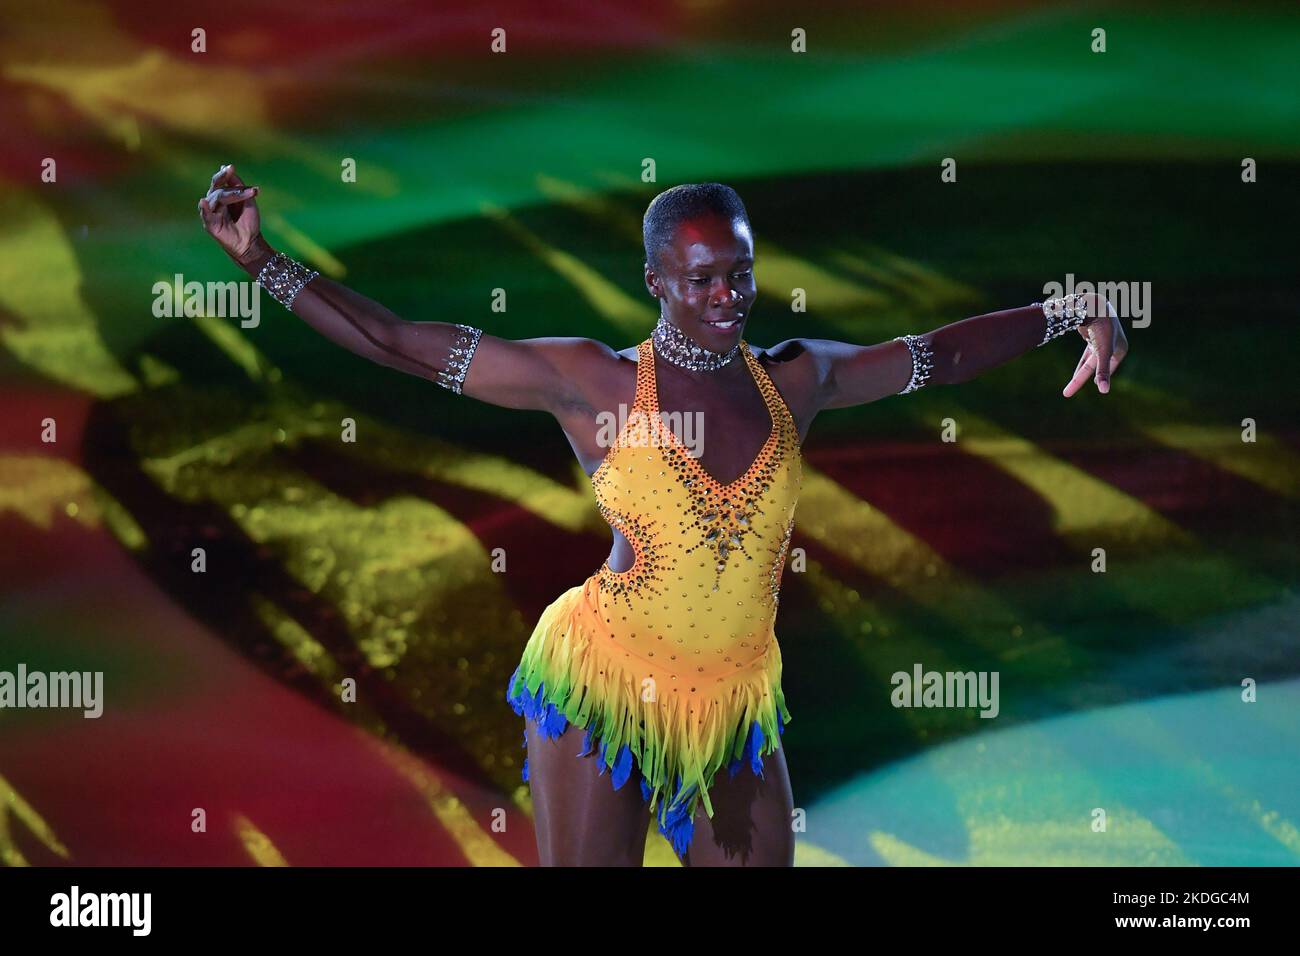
(578, 627)
(716, 631)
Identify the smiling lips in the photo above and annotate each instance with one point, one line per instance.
(726, 325)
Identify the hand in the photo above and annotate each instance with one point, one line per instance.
(230, 216)
(1106, 347)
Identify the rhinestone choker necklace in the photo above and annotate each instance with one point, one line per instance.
(683, 351)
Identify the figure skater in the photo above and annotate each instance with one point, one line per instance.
(662, 669)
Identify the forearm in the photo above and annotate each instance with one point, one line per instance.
(966, 349)
(362, 325)
(853, 375)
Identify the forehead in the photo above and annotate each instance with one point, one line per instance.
(708, 241)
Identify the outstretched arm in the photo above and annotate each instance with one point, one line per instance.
(542, 373)
(855, 374)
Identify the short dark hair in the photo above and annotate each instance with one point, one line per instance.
(677, 205)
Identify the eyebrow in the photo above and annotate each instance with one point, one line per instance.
(710, 265)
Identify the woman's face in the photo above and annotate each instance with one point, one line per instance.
(706, 280)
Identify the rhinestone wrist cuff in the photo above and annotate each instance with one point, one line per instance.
(462, 352)
(922, 361)
(284, 278)
(1063, 315)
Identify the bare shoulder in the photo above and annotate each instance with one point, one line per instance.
(601, 379)
(599, 376)
(798, 371)
(795, 366)
(588, 366)
(576, 350)
(783, 353)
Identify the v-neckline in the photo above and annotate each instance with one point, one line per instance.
(694, 461)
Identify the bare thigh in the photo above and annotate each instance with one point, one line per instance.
(581, 819)
(751, 823)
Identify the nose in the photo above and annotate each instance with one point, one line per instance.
(729, 298)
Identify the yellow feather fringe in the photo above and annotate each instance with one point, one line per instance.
(678, 722)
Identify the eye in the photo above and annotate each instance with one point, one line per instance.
(695, 279)
(745, 274)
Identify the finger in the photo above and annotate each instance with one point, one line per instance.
(212, 218)
(1086, 360)
(225, 197)
(1105, 344)
(1082, 372)
(1077, 379)
(226, 176)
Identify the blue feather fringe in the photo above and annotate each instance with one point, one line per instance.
(675, 821)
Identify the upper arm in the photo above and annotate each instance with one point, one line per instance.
(864, 373)
(546, 374)
(844, 374)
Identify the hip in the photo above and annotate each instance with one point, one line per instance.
(651, 645)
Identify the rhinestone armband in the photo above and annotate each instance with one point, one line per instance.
(462, 352)
(284, 278)
(922, 361)
(1063, 315)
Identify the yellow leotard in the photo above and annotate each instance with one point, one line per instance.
(674, 662)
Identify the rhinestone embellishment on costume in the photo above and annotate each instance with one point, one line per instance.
(712, 523)
(724, 517)
(778, 566)
(725, 514)
(650, 563)
(673, 666)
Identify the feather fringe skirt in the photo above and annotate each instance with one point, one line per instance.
(678, 728)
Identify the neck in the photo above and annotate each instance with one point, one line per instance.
(681, 350)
